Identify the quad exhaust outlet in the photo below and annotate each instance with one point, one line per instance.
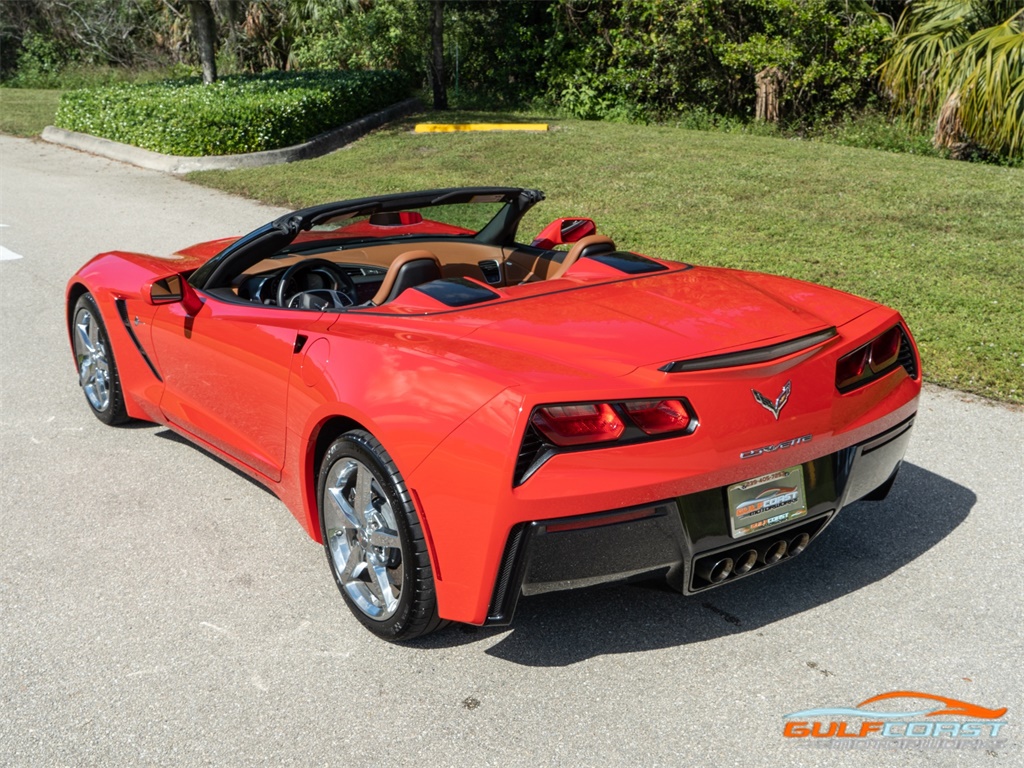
(716, 567)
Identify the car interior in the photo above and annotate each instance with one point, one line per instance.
(332, 276)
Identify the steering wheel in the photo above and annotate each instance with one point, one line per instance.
(338, 277)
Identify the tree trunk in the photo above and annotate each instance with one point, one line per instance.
(437, 77)
(769, 83)
(204, 29)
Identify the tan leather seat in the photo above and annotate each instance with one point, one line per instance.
(408, 270)
(591, 243)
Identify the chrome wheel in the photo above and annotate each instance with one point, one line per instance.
(91, 356)
(362, 538)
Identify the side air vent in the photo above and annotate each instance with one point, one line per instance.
(533, 449)
(906, 358)
(492, 271)
(122, 311)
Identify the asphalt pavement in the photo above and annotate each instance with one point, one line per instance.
(158, 608)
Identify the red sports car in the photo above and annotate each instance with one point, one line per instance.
(462, 418)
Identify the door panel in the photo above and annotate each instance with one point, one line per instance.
(226, 376)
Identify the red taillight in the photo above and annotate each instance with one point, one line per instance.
(851, 367)
(656, 417)
(873, 359)
(885, 349)
(567, 425)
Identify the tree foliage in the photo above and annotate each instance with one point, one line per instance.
(956, 64)
(959, 64)
(661, 57)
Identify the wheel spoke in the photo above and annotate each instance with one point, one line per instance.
(100, 382)
(348, 518)
(354, 565)
(87, 371)
(84, 329)
(382, 588)
(385, 537)
(362, 502)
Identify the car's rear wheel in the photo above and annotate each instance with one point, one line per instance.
(374, 540)
(97, 371)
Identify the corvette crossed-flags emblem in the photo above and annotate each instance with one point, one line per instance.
(780, 401)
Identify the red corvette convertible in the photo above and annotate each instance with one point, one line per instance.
(462, 418)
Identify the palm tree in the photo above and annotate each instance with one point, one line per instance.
(960, 63)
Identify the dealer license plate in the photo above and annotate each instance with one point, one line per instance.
(763, 502)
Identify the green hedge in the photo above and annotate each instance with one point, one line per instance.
(241, 113)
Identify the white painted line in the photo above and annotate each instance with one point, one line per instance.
(6, 255)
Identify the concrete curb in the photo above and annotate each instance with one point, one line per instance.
(155, 161)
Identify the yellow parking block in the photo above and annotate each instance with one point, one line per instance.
(453, 127)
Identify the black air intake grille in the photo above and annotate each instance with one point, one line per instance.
(531, 449)
(906, 358)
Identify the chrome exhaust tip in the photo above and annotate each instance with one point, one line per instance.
(775, 552)
(798, 544)
(746, 561)
(716, 571)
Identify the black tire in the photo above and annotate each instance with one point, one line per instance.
(356, 517)
(94, 358)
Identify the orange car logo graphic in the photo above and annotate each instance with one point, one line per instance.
(900, 722)
(951, 707)
(770, 499)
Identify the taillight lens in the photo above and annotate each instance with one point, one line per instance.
(885, 349)
(873, 359)
(567, 425)
(656, 417)
(851, 367)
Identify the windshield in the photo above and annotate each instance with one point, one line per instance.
(461, 220)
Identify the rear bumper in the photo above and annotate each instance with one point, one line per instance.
(686, 538)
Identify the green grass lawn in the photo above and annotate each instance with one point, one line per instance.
(26, 111)
(941, 241)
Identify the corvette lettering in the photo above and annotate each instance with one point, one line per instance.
(776, 447)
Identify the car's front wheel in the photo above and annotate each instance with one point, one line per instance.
(97, 371)
(374, 540)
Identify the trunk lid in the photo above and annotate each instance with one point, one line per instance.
(616, 327)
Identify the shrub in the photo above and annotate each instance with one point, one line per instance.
(40, 63)
(241, 113)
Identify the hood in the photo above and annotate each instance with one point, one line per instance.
(614, 328)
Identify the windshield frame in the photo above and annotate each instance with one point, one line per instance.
(272, 238)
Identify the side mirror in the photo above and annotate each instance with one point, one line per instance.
(561, 231)
(172, 290)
